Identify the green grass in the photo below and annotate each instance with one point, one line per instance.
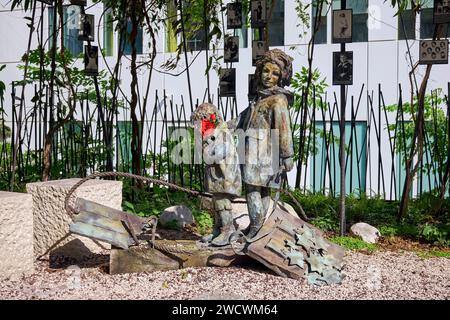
(354, 244)
(433, 254)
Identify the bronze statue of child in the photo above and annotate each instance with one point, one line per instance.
(268, 137)
(222, 171)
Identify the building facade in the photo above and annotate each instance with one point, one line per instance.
(385, 47)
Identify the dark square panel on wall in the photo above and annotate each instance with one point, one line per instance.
(91, 60)
(227, 84)
(343, 68)
(234, 15)
(87, 27)
(79, 2)
(441, 12)
(258, 13)
(231, 49)
(342, 26)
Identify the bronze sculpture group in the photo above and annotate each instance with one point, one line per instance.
(268, 148)
(284, 243)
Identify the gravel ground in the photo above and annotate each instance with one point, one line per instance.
(382, 275)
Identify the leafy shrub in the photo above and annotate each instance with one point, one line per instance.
(400, 230)
(435, 234)
(352, 243)
(203, 220)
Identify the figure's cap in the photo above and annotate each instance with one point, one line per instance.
(208, 116)
(204, 112)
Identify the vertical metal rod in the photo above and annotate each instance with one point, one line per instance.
(206, 25)
(342, 148)
(185, 54)
(314, 144)
(13, 132)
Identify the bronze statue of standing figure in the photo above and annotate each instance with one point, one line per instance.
(268, 136)
(267, 143)
(222, 171)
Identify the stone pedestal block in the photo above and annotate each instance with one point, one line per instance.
(16, 234)
(51, 221)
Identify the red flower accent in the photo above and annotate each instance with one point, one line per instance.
(207, 126)
(213, 118)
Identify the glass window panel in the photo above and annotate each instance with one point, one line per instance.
(71, 25)
(360, 30)
(71, 16)
(108, 33)
(196, 42)
(243, 37)
(407, 29)
(427, 25)
(428, 174)
(276, 26)
(321, 34)
(171, 39)
(124, 134)
(358, 6)
(126, 45)
(400, 170)
(325, 168)
(360, 16)
(195, 27)
(425, 4)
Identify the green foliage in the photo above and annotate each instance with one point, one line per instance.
(417, 225)
(403, 230)
(433, 254)
(371, 210)
(319, 207)
(317, 89)
(355, 244)
(204, 221)
(436, 234)
(145, 203)
(435, 124)
(302, 10)
(402, 5)
(129, 207)
(64, 71)
(5, 132)
(2, 86)
(29, 172)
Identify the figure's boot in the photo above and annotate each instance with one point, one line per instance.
(226, 231)
(256, 223)
(216, 229)
(257, 203)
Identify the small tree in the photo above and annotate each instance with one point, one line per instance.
(417, 141)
